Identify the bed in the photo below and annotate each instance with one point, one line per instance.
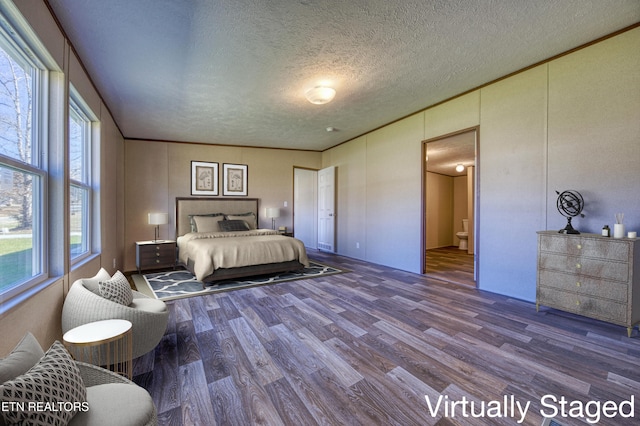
(220, 239)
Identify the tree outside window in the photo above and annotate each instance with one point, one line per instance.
(21, 175)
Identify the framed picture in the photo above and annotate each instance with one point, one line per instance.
(235, 179)
(204, 178)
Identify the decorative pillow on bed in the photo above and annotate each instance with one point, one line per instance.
(233, 225)
(250, 218)
(206, 223)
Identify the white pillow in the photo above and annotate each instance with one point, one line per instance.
(117, 289)
(92, 283)
(207, 223)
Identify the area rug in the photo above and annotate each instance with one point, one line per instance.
(181, 283)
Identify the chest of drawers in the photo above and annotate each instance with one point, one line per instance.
(155, 254)
(590, 275)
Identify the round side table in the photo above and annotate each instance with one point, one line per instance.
(107, 343)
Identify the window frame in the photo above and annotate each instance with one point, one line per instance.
(79, 109)
(37, 166)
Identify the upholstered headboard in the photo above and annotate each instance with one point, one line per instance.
(186, 206)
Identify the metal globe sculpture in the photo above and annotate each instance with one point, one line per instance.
(569, 204)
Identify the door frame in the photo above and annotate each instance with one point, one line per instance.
(476, 206)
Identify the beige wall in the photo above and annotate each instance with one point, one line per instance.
(158, 172)
(439, 205)
(572, 123)
(460, 203)
(445, 205)
(41, 313)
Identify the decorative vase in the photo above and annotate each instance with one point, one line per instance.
(618, 230)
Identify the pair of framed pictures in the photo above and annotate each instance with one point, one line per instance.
(204, 178)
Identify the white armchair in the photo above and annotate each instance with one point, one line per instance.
(147, 315)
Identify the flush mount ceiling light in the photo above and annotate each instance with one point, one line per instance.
(320, 95)
(459, 168)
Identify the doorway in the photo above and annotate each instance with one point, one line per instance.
(314, 207)
(305, 206)
(450, 201)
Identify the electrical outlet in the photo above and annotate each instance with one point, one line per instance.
(286, 203)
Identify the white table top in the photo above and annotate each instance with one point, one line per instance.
(97, 331)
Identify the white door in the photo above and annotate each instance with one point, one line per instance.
(305, 206)
(326, 209)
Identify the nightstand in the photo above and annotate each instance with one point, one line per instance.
(155, 254)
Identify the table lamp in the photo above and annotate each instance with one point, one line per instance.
(158, 219)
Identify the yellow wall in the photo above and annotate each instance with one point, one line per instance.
(158, 172)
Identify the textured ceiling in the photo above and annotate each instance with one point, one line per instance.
(235, 71)
(443, 155)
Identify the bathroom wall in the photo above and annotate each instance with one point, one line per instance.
(439, 211)
(446, 206)
(460, 205)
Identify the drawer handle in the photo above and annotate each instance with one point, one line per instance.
(157, 254)
(577, 303)
(157, 260)
(578, 284)
(579, 246)
(578, 266)
(157, 247)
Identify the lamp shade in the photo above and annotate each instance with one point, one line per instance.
(158, 218)
(272, 212)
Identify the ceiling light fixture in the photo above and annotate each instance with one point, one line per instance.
(459, 168)
(320, 95)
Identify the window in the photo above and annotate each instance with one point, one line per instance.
(23, 176)
(80, 191)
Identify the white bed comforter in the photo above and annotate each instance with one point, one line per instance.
(208, 251)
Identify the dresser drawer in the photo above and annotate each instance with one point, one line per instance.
(590, 275)
(150, 255)
(164, 251)
(583, 266)
(591, 247)
(605, 310)
(572, 283)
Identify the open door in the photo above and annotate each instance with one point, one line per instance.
(326, 209)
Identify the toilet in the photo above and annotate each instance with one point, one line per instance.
(464, 235)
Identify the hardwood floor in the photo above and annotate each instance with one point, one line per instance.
(450, 264)
(369, 346)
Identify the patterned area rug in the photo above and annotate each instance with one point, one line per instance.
(178, 284)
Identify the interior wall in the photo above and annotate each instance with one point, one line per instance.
(460, 202)
(471, 208)
(351, 211)
(41, 313)
(594, 133)
(571, 123)
(158, 172)
(439, 211)
(392, 198)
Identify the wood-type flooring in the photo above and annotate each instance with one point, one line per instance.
(450, 264)
(375, 346)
